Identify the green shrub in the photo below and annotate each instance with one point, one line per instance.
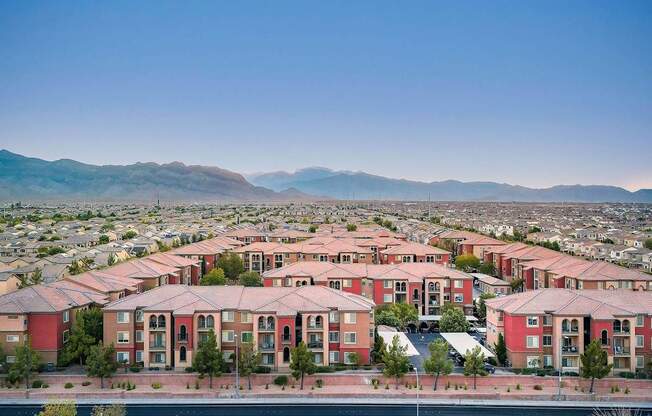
(626, 374)
(324, 369)
(319, 383)
(134, 369)
(281, 380)
(196, 385)
(518, 386)
(538, 387)
(262, 369)
(189, 370)
(86, 383)
(156, 386)
(69, 385)
(45, 385)
(37, 384)
(627, 390)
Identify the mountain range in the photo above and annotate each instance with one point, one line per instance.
(26, 178)
(361, 185)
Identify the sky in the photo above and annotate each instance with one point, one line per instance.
(534, 93)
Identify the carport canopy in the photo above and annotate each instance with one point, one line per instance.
(463, 342)
(388, 333)
(436, 318)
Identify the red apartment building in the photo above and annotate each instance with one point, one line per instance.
(552, 327)
(427, 286)
(164, 326)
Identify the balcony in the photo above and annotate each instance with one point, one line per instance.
(286, 339)
(570, 349)
(266, 327)
(621, 350)
(622, 332)
(205, 327)
(570, 331)
(316, 345)
(266, 346)
(157, 346)
(156, 327)
(315, 327)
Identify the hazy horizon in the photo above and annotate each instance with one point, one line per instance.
(526, 93)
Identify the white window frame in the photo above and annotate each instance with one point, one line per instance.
(121, 353)
(350, 318)
(140, 353)
(228, 316)
(640, 344)
(388, 298)
(387, 284)
(13, 338)
(124, 340)
(533, 318)
(458, 284)
(533, 344)
(458, 298)
(226, 333)
(334, 356)
(348, 341)
(140, 335)
(530, 358)
(66, 316)
(124, 315)
(335, 339)
(333, 317)
(65, 336)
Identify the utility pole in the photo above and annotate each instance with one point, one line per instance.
(237, 369)
(417, 374)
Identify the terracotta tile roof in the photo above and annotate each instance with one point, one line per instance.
(408, 248)
(53, 297)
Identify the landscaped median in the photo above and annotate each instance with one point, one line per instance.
(496, 387)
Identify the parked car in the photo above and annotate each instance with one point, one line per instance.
(489, 368)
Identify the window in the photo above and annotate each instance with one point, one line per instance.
(10, 359)
(66, 316)
(349, 337)
(640, 361)
(334, 337)
(459, 298)
(547, 320)
(276, 282)
(347, 283)
(12, 338)
(532, 321)
(182, 354)
(547, 360)
(532, 362)
(387, 298)
(228, 336)
(228, 316)
(123, 337)
(140, 336)
(66, 336)
(640, 319)
(532, 341)
(122, 357)
(387, 284)
(349, 318)
(333, 317)
(245, 318)
(139, 356)
(317, 358)
(604, 337)
(247, 336)
(547, 340)
(140, 316)
(458, 284)
(334, 356)
(640, 343)
(123, 317)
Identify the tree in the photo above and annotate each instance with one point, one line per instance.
(79, 266)
(26, 280)
(474, 364)
(301, 362)
(467, 262)
(129, 235)
(104, 239)
(648, 243)
(405, 313)
(396, 360)
(438, 363)
(453, 320)
(213, 278)
(487, 268)
(516, 284)
(59, 408)
(384, 316)
(378, 350)
(248, 361)
(482, 306)
(26, 363)
(594, 363)
(208, 359)
(351, 227)
(101, 362)
(250, 279)
(312, 229)
(501, 350)
(116, 409)
(232, 265)
(85, 332)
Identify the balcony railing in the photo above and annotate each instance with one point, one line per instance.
(266, 327)
(182, 337)
(571, 331)
(156, 327)
(266, 346)
(569, 349)
(315, 344)
(621, 350)
(286, 339)
(157, 345)
(320, 326)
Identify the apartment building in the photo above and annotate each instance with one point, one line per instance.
(552, 327)
(164, 326)
(410, 252)
(427, 286)
(207, 251)
(43, 315)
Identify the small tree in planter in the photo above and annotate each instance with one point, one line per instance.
(248, 361)
(396, 360)
(301, 362)
(438, 363)
(594, 363)
(474, 364)
(208, 359)
(101, 362)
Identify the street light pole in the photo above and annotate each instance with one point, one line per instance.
(237, 370)
(417, 374)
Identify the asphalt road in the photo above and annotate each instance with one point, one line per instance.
(320, 409)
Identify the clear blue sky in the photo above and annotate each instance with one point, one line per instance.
(525, 92)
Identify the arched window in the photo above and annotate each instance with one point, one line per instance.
(565, 325)
(201, 321)
(261, 323)
(152, 321)
(403, 287)
(298, 283)
(305, 282)
(604, 337)
(270, 322)
(161, 321)
(286, 333)
(286, 354)
(415, 294)
(616, 326)
(318, 321)
(437, 286)
(311, 322)
(431, 287)
(574, 325)
(183, 334)
(182, 354)
(210, 321)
